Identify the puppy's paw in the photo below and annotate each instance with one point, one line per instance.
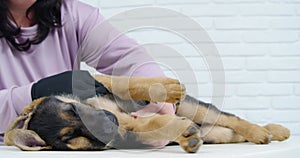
(258, 135)
(190, 140)
(278, 132)
(166, 90)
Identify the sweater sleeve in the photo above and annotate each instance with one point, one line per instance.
(109, 51)
(13, 100)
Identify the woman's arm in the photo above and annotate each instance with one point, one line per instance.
(108, 50)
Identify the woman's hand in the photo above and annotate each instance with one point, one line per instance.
(155, 108)
(78, 83)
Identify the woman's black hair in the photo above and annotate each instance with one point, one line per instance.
(47, 14)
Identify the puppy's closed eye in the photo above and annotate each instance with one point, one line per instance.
(69, 112)
(67, 134)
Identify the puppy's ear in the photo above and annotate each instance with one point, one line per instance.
(17, 135)
(25, 139)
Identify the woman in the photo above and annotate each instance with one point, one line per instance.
(42, 38)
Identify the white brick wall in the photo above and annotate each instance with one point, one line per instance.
(259, 42)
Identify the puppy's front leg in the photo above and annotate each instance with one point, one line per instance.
(166, 127)
(141, 88)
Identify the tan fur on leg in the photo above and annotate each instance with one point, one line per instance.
(220, 135)
(251, 132)
(141, 88)
(203, 115)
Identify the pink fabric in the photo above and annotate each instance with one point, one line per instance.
(59, 52)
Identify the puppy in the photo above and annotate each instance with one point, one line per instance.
(104, 122)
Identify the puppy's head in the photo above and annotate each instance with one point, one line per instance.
(60, 123)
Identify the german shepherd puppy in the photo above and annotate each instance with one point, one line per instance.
(104, 122)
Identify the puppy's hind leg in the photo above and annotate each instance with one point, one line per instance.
(208, 114)
(220, 135)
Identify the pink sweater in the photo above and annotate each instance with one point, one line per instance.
(59, 52)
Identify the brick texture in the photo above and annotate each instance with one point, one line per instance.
(258, 42)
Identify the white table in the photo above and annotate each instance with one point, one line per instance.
(286, 149)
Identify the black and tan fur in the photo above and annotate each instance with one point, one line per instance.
(51, 123)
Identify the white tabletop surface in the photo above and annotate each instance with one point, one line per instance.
(286, 149)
